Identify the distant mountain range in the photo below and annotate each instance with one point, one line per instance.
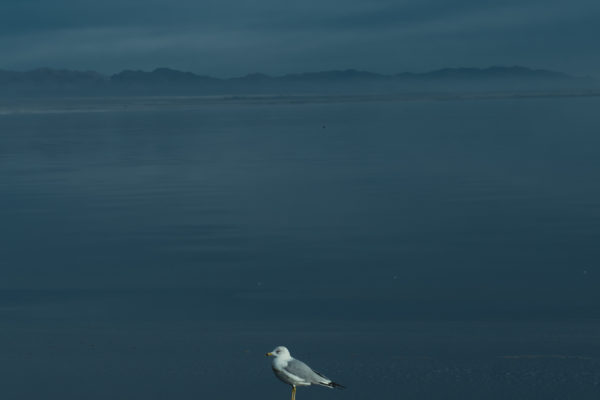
(166, 81)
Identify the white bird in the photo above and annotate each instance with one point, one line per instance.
(296, 373)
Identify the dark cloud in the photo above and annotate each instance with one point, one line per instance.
(233, 37)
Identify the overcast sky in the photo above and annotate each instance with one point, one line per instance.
(233, 37)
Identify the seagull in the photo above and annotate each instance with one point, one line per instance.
(296, 373)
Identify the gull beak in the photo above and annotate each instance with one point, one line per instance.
(269, 354)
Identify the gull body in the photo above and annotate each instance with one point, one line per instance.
(295, 372)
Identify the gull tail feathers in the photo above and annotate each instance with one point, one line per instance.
(335, 385)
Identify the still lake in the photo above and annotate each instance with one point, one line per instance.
(407, 249)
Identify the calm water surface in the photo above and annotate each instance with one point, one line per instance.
(415, 250)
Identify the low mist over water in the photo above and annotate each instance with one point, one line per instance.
(409, 249)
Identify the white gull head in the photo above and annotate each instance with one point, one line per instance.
(280, 352)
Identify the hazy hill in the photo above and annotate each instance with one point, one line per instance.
(515, 72)
(165, 81)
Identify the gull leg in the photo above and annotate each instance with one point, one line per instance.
(293, 392)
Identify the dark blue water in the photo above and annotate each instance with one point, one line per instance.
(416, 250)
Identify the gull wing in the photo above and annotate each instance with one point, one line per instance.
(305, 373)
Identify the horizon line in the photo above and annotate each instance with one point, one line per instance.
(514, 66)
